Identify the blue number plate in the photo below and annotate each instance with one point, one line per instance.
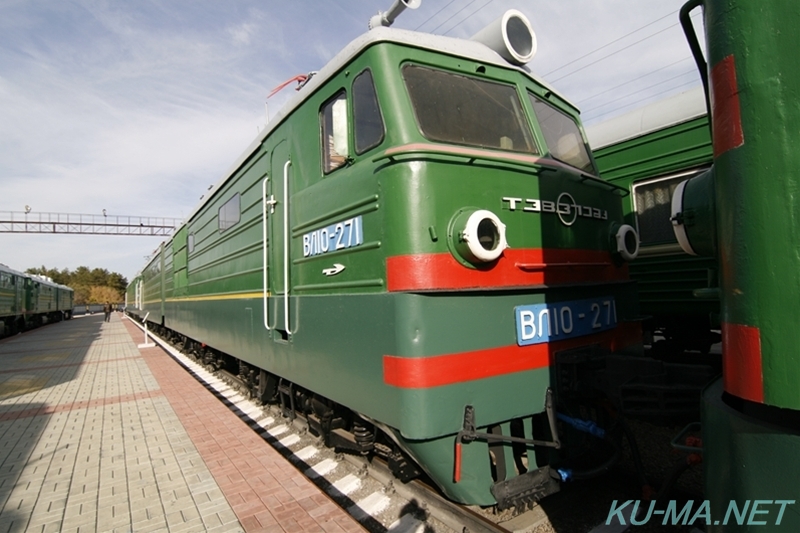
(345, 234)
(563, 320)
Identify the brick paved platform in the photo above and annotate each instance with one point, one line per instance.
(96, 435)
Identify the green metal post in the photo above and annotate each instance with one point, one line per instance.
(755, 81)
(751, 431)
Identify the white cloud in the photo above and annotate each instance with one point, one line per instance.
(242, 33)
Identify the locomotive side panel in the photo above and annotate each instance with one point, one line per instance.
(168, 274)
(42, 301)
(133, 296)
(151, 288)
(224, 306)
(9, 302)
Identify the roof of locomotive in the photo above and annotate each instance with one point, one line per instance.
(668, 112)
(41, 279)
(7, 269)
(47, 281)
(446, 45)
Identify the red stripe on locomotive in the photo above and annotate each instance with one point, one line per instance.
(515, 268)
(438, 370)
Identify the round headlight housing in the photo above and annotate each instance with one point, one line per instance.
(627, 242)
(477, 236)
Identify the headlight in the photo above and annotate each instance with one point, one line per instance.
(477, 235)
(627, 241)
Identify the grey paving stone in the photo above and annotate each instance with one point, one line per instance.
(190, 525)
(216, 507)
(52, 525)
(85, 521)
(73, 509)
(153, 528)
(225, 528)
(121, 466)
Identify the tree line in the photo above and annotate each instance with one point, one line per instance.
(91, 286)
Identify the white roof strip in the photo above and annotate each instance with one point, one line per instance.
(668, 112)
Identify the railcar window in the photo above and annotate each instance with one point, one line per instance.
(190, 242)
(562, 136)
(368, 123)
(333, 126)
(230, 213)
(462, 110)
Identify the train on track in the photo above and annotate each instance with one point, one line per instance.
(649, 151)
(28, 301)
(418, 257)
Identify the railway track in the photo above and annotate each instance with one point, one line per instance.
(369, 492)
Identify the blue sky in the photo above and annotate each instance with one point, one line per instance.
(137, 107)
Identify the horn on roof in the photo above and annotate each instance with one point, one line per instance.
(386, 19)
(511, 36)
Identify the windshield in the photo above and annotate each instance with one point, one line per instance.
(562, 136)
(462, 110)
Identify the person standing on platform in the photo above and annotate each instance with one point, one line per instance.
(107, 311)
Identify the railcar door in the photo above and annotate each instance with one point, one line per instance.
(277, 243)
(180, 262)
(27, 290)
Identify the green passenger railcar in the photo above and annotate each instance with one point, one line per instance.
(650, 151)
(404, 254)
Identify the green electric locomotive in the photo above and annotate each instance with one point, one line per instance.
(650, 151)
(404, 255)
(28, 301)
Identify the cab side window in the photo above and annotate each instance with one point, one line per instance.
(333, 126)
(367, 117)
